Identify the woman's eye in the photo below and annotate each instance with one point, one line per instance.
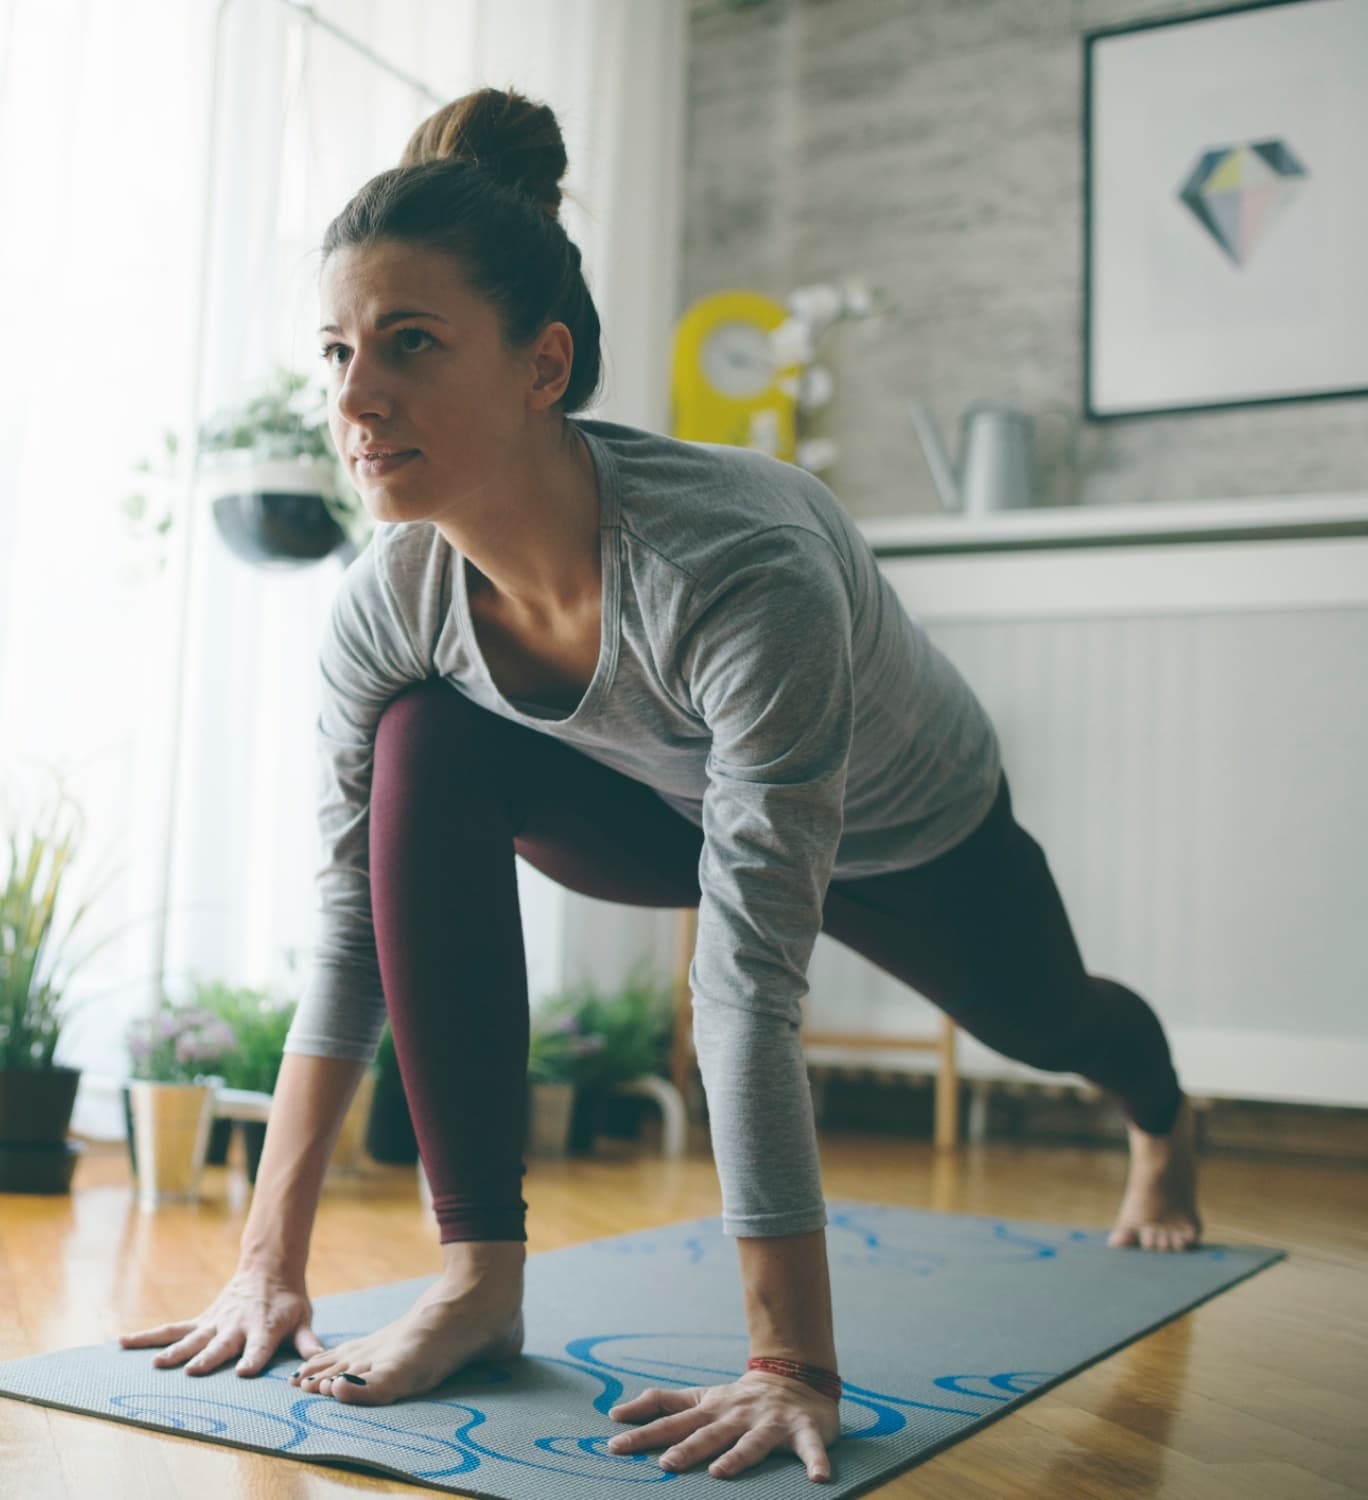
(326, 354)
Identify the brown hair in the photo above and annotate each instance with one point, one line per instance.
(480, 179)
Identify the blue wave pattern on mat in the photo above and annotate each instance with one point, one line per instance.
(934, 1312)
(457, 1451)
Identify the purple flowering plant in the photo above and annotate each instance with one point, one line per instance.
(592, 1038)
(555, 1044)
(178, 1044)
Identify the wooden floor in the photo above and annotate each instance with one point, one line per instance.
(1261, 1392)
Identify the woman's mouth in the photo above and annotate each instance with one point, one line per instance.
(383, 463)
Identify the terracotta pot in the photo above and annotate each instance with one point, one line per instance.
(550, 1112)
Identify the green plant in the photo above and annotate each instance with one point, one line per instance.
(259, 1021)
(30, 987)
(178, 1044)
(584, 1036)
(555, 1046)
(287, 418)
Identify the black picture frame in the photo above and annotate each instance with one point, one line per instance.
(1140, 358)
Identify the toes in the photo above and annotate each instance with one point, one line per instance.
(356, 1395)
(1121, 1236)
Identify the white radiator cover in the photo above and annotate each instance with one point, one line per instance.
(1185, 731)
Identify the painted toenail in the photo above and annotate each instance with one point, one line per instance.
(355, 1379)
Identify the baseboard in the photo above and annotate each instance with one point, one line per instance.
(1024, 1111)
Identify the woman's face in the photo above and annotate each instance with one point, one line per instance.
(415, 363)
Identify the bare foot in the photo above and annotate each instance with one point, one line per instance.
(459, 1319)
(1159, 1209)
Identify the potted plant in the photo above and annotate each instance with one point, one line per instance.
(259, 1021)
(272, 479)
(618, 1035)
(36, 1092)
(169, 1099)
(389, 1132)
(555, 1043)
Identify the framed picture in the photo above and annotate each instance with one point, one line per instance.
(1226, 209)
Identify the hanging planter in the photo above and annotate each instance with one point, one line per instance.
(274, 513)
(269, 476)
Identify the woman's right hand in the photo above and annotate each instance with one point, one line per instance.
(251, 1316)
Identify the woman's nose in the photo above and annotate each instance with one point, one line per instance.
(361, 395)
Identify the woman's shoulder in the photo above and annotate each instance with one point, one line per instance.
(689, 505)
(397, 590)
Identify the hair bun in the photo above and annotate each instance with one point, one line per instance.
(503, 133)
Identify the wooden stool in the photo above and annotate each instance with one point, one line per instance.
(947, 1072)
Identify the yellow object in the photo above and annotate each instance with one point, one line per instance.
(725, 388)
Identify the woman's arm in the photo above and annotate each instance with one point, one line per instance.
(309, 1104)
(788, 1297)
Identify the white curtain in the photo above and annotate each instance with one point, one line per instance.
(103, 155)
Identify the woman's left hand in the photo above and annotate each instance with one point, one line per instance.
(750, 1418)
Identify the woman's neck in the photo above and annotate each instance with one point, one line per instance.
(538, 560)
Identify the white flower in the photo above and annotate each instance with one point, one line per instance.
(791, 343)
(815, 387)
(816, 454)
(820, 303)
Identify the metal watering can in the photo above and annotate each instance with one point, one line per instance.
(996, 469)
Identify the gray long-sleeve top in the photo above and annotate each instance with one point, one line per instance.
(757, 670)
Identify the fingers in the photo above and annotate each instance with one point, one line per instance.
(182, 1349)
(163, 1333)
(666, 1430)
(186, 1340)
(258, 1350)
(808, 1445)
(221, 1348)
(307, 1343)
(752, 1446)
(261, 1346)
(652, 1403)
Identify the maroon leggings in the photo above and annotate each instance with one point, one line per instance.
(980, 931)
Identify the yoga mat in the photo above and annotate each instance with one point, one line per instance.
(943, 1323)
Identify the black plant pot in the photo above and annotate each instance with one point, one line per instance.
(389, 1131)
(278, 530)
(220, 1137)
(253, 1139)
(35, 1111)
(620, 1116)
(585, 1120)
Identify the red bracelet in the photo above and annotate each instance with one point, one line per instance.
(828, 1382)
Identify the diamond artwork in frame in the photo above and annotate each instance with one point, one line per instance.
(1226, 209)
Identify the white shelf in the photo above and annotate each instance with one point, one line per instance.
(1272, 516)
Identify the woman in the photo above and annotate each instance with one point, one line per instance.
(666, 674)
